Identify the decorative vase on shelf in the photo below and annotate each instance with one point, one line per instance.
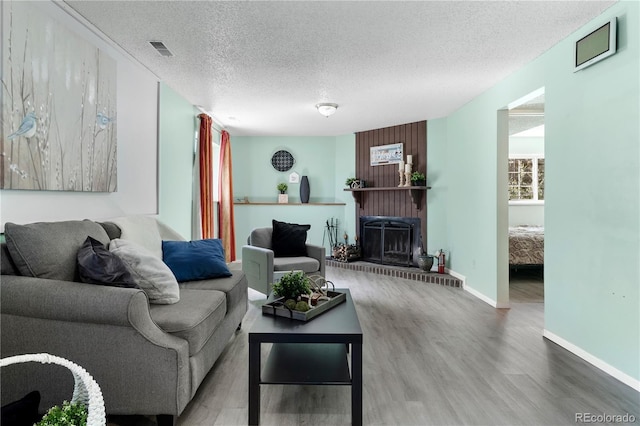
(304, 189)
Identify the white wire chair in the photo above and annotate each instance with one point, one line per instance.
(85, 389)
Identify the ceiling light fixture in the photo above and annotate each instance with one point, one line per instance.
(327, 109)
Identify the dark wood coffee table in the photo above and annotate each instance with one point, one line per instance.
(322, 342)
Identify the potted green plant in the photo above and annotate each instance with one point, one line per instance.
(283, 197)
(353, 182)
(290, 287)
(418, 179)
(70, 414)
(282, 187)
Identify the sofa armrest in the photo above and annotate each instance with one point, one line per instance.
(257, 265)
(73, 301)
(106, 330)
(319, 253)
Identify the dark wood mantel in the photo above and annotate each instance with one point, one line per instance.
(416, 193)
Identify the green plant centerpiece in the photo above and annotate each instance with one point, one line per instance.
(282, 187)
(349, 181)
(353, 183)
(70, 414)
(418, 179)
(291, 286)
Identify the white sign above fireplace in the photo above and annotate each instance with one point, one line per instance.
(386, 154)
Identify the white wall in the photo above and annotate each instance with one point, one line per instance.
(137, 100)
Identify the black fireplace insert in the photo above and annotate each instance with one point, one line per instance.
(390, 240)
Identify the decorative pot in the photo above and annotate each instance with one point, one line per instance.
(304, 189)
(283, 198)
(425, 262)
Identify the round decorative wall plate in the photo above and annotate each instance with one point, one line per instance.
(282, 160)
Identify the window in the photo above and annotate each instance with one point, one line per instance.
(526, 179)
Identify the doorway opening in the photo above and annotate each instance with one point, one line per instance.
(525, 176)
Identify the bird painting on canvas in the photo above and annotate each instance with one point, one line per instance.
(27, 128)
(103, 120)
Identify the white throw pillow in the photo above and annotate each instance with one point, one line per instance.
(150, 273)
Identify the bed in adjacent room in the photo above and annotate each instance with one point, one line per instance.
(526, 245)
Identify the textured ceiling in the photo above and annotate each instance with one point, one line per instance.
(260, 67)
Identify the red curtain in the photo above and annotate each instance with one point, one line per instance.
(205, 155)
(226, 226)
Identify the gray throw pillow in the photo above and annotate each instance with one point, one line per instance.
(49, 249)
(97, 265)
(151, 274)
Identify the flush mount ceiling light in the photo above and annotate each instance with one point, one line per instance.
(327, 109)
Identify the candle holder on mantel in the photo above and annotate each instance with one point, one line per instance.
(407, 174)
(401, 174)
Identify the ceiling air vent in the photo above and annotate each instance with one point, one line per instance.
(161, 48)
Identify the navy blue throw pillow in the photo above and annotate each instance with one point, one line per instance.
(289, 239)
(195, 260)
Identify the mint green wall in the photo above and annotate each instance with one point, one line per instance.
(592, 211)
(177, 126)
(325, 160)
(345, 160)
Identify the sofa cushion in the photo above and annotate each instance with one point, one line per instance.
(289, 239)
(234, 287)
(195, 260)
(301, 263)
(97, 265)
(150, 273)
(49, 249)
(7, 267)
(194, 318)
(142, 230)
(112, 230)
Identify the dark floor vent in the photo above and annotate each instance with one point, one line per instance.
(161, 48)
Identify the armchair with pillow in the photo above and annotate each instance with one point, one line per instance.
(275, 250)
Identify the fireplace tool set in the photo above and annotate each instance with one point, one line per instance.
(342, 252)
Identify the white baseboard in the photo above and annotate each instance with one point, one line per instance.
(484, 298)
(596, 362)
(456, 275)
(476, 293)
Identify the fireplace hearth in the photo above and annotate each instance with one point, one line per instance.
(390, 240)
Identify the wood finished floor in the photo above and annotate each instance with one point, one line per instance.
(526, 285)
(433, 355)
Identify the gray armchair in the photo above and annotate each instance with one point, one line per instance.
(261, 267)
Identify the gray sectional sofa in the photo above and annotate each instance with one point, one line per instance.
(148, 359)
